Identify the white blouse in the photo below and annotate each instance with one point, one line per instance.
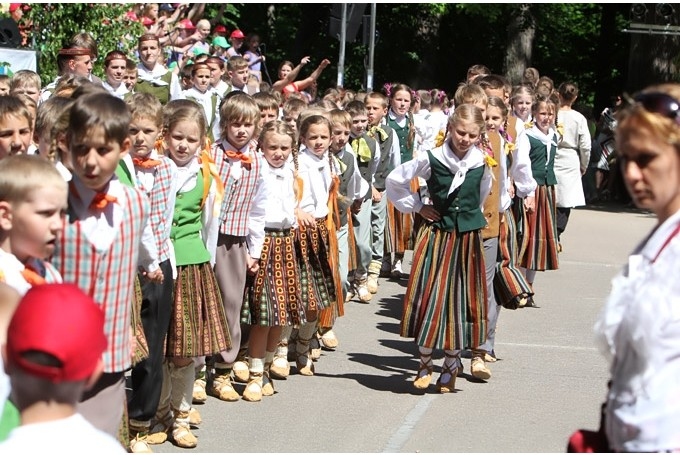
(638, 331)
(316, 174)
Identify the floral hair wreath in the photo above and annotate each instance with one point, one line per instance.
(388, 89)
(439, 94)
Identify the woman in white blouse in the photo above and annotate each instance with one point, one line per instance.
(639, 328)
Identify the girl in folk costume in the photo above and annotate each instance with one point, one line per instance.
(540, 143)
(198, 324)
(398, 233)
(272, 298)
(206, 97)
(510, 286)
(316, 242)
(521, 100)
(446, 297)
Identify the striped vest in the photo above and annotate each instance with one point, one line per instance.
(162, 185)
(107, 276)
(238, 194)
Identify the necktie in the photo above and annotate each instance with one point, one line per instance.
(32, 277)
(378, 131)
(145, 163)
(245, 159)
(361, 150)
(101, 200)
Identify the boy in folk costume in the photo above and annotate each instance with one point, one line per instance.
(155, 175)
(99, 249)
(242, 216)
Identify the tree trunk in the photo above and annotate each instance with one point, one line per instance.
(521, 32)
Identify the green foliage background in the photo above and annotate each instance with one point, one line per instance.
(424, 45)
(56, 23)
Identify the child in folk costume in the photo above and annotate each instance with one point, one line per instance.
(445, 301)
(198, 325)
(350, 189)
(521, 102)
(272, 297)
(399, 230)
(388, 142)
(100, 245)
(367, 154)
(510, 286)
(155, 175)
(315, 236)
(540, 143)
(242, 216)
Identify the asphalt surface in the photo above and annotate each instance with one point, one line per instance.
(549, 379)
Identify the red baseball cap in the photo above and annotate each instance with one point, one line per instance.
(220, 29)
(237, 34)
(62, 321)
(187, 24)
(14, 6)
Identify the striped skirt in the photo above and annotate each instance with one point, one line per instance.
(198, 325)
(509, 282)
(141, 351)
(445, 301)
(399, 228)
(272, 297)
(541, 250)
(317, 284)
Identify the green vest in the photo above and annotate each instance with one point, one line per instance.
(542, 165)
(162, 92)
(124, 174)
(185, 232)
(402, 134)
(460, 211)
(384, 166)
(343, 200)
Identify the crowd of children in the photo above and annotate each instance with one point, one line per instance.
(222, 230)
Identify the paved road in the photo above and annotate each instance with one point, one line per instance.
(549, 380)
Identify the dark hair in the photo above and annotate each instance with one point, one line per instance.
(99, 110)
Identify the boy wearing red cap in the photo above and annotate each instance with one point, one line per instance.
(32, 203)
(52, 354)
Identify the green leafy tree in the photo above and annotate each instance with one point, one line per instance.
(54, 24)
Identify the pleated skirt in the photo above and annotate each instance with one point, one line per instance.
(198, 325)
(399, 228)
(272, 297)
(541, 235)
(445, 301)
(317, 283)
(509, 282)
(141, 351)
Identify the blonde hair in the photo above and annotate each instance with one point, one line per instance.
(236, 63)
(22, 174)
(468, 113)
(340, 117)
(12, 105)
(184, 110)
(145, 106)
(238, 107)
(25, 78)
(470, 93)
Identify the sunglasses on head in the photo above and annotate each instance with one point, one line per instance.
(660, 103)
